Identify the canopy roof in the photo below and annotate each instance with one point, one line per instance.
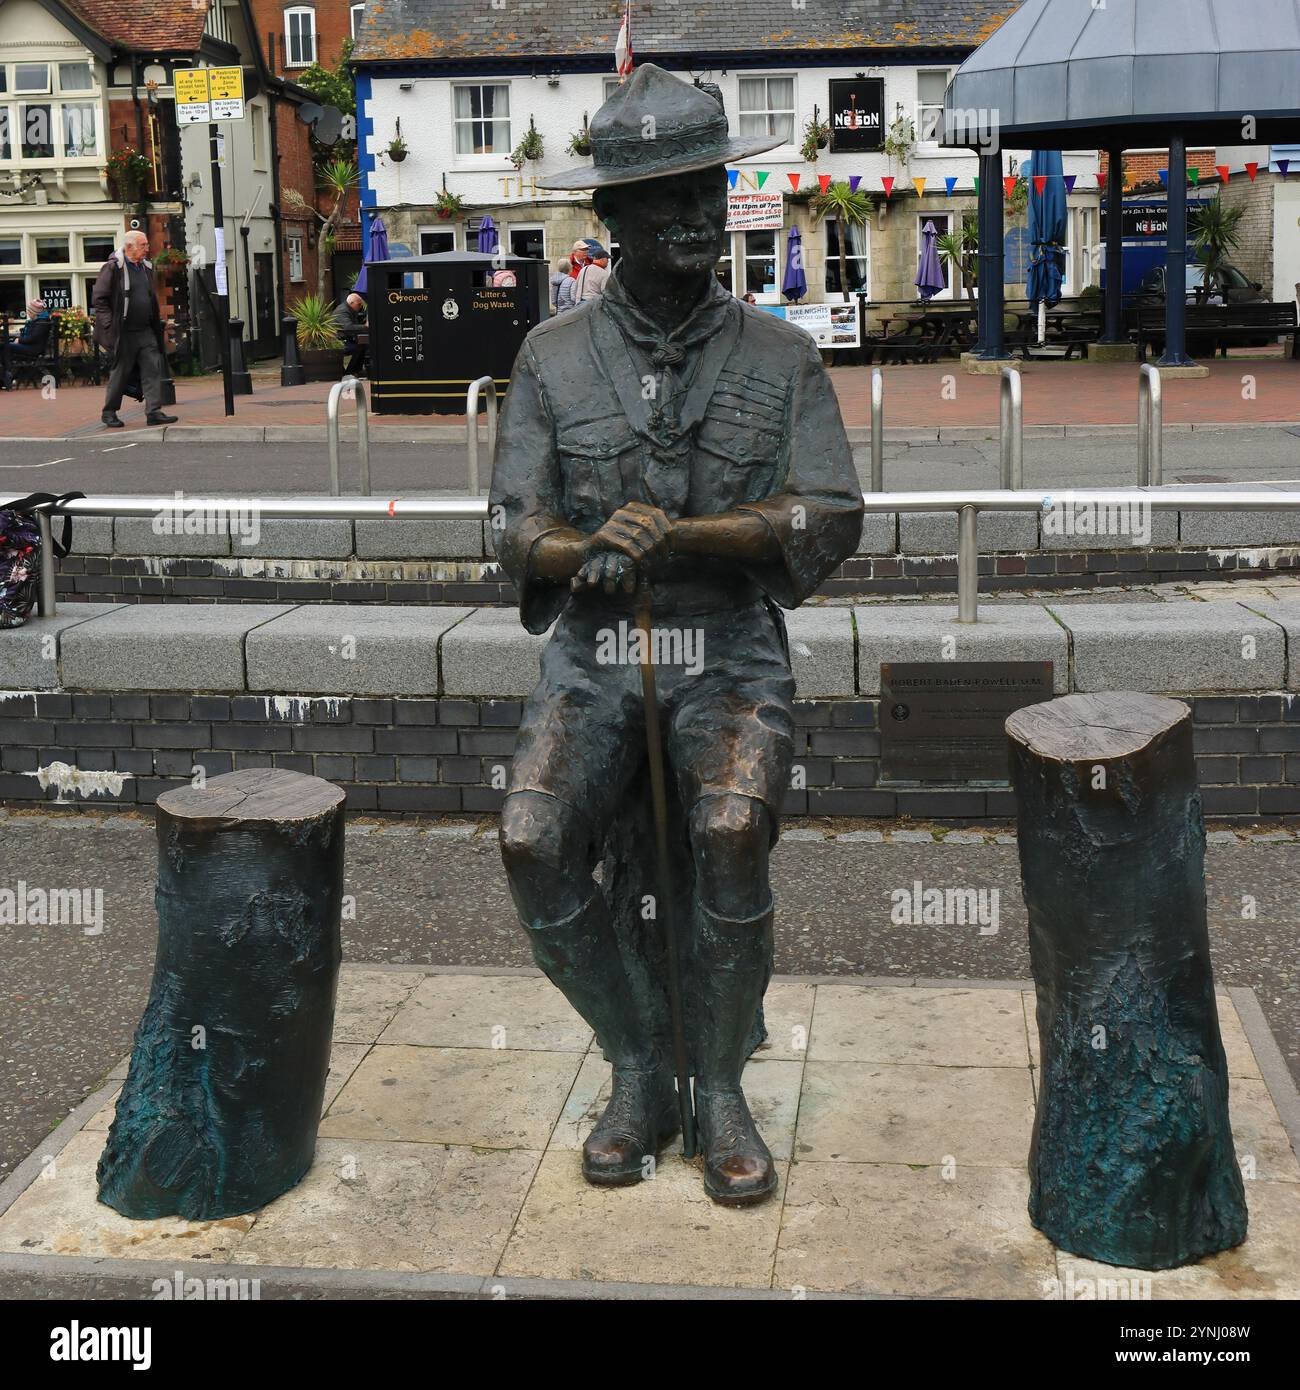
(1150, 67)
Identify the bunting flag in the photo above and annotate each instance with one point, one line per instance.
(888, 181)
(1101, 179)
(1040, 183)
(854, 180)
(824, 181)
(732, 176)
(1283, 167)
(794, 181)
(1070, 181)
(977, 185)
(919, 185)
(1223, 172)
(763, 176)
(1252, 170)
(950, 183)
(1009, 183)
(1195, 175)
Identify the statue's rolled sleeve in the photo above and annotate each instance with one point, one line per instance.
(816, 515)
(526, 499)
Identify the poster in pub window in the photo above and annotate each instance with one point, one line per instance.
(857, 114)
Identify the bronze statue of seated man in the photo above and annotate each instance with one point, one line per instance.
(664, 440)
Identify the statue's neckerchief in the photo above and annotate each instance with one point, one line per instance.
(632, 350)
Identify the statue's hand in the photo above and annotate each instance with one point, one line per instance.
(637, 530)
(608, 569)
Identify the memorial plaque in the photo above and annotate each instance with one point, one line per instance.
(942, 721)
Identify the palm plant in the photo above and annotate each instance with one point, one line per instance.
(1216, 233)
(958, 248)
(337, 178)
(849, 208)
(315, 329)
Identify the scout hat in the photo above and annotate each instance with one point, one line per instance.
(654, 125)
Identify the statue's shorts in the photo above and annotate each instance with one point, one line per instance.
(725, 696)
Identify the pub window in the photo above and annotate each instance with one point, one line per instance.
(38, 137)
(528, 240)
(725, 268)
(295, 256)
(13, 297)
(79, 140)
(857, 259)
(6, 149)
(942, 226)
(11, 250)
(300, 36)
(31, 77)
(96, 246)
(929, 106)
(435, 240)
(612, 84)
(767, 107)
(75, 77)
(760, 264)
(481, 114)
(52, 250)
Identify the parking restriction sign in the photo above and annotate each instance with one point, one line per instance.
(192, 103)
(227, 86)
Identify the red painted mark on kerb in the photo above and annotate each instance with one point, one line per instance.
(392, 507)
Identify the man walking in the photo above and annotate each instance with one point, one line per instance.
(129, 328)
(665, 437)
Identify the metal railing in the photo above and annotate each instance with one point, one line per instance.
(487, 386)
(966, 505)
(1011, 431)
(1151, 427)
(877, 430)
(348, 389)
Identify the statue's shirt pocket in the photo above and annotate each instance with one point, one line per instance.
(595, 457)
(747, 442)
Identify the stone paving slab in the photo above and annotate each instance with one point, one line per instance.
(457, 1101)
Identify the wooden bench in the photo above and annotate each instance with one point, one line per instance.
(1221, 326)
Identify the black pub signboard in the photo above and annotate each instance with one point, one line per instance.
(857, 114)
(942, 721)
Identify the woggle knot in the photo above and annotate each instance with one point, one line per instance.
(669, 355)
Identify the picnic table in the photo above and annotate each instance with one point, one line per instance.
(924, 334)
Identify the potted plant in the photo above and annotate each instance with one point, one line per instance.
(128, 171)
(530, 147)
(73, 327)
(170, 260)
(900, 139)
(319, 344)
(816, 137)
(447, 205)
(580, 140)
(396, 149)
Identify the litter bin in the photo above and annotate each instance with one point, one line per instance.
(439, 322)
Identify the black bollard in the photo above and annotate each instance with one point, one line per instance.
(221, 1104)
(1132, 1160)
(292, 372)
(241, 381)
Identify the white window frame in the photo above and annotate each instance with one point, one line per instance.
(768, 110)
(356, 13)
(447, 228)
(257, 135)
(833, 261)
(296, 242)
(76, 91)
(62, 149)
(611, 85)
(299, 12)
(46, 90)
(491, 157)
(923, 107)
(955, 287)
(17, 150)
(513, 227)
(761, 296)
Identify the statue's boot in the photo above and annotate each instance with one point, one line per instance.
(580, 956)
(733, 964)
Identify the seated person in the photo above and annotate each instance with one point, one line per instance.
(350, 320)
(33, 340)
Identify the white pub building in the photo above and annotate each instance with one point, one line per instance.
(487, 101)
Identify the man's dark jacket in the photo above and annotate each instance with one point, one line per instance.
(109, 301)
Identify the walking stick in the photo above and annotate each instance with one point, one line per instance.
(667, 904)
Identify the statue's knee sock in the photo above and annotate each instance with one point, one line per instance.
(732, 957)
(579, 955)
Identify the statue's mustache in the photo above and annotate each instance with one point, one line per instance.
(678, 235)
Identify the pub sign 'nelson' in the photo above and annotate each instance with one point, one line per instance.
(857, 114)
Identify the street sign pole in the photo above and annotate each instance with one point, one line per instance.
(219, 267)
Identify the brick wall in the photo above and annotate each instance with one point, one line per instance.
(417, 756)
(1254, 256)
(293, 142)
(1145, 168)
